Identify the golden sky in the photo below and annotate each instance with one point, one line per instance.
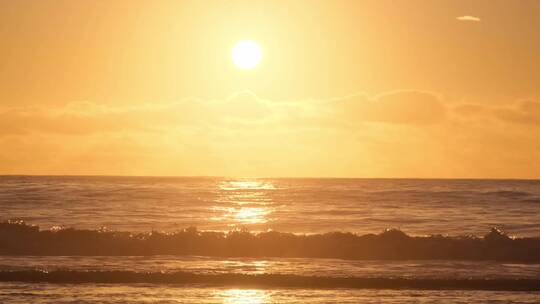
(378, 88)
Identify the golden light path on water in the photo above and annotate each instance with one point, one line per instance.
(243, 202)
(244, 296)
(250, 205)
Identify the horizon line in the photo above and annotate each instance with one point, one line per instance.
(270, 177)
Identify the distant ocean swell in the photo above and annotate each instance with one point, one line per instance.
(266, 280)
(18, 238)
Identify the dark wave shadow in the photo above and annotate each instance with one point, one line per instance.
(267, 280)
(18, 238)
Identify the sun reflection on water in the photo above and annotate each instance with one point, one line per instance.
(246, 185)
(248, 266)
(243, 215)
(243, 202)
(244, 296)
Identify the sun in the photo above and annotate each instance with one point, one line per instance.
(246, 54)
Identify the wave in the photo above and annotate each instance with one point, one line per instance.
(508, 193)
(19, 238)
(265, 280)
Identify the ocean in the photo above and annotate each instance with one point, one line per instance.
(67, 239)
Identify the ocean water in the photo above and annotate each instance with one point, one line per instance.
(138, 205)
(418, 207)
(14, 293)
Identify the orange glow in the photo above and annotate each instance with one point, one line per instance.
(244, 296)
(342, 89)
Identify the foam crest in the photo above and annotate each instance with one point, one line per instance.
(19, 238)
(267, 280)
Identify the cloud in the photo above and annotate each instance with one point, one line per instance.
(400, 107)
(390, 134)
(525, 112)
(247, 110)
(468, 18)
(469, 109)
(86, 118)
(245, 105)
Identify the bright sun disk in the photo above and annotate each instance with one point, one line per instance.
(246, 54)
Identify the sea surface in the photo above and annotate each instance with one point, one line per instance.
(418, 207)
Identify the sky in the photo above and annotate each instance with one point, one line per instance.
(428, 89)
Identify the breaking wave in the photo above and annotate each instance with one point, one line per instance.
(19, 238)
(266, 280)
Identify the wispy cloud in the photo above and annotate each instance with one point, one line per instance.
(468, 18)
(393, 133)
